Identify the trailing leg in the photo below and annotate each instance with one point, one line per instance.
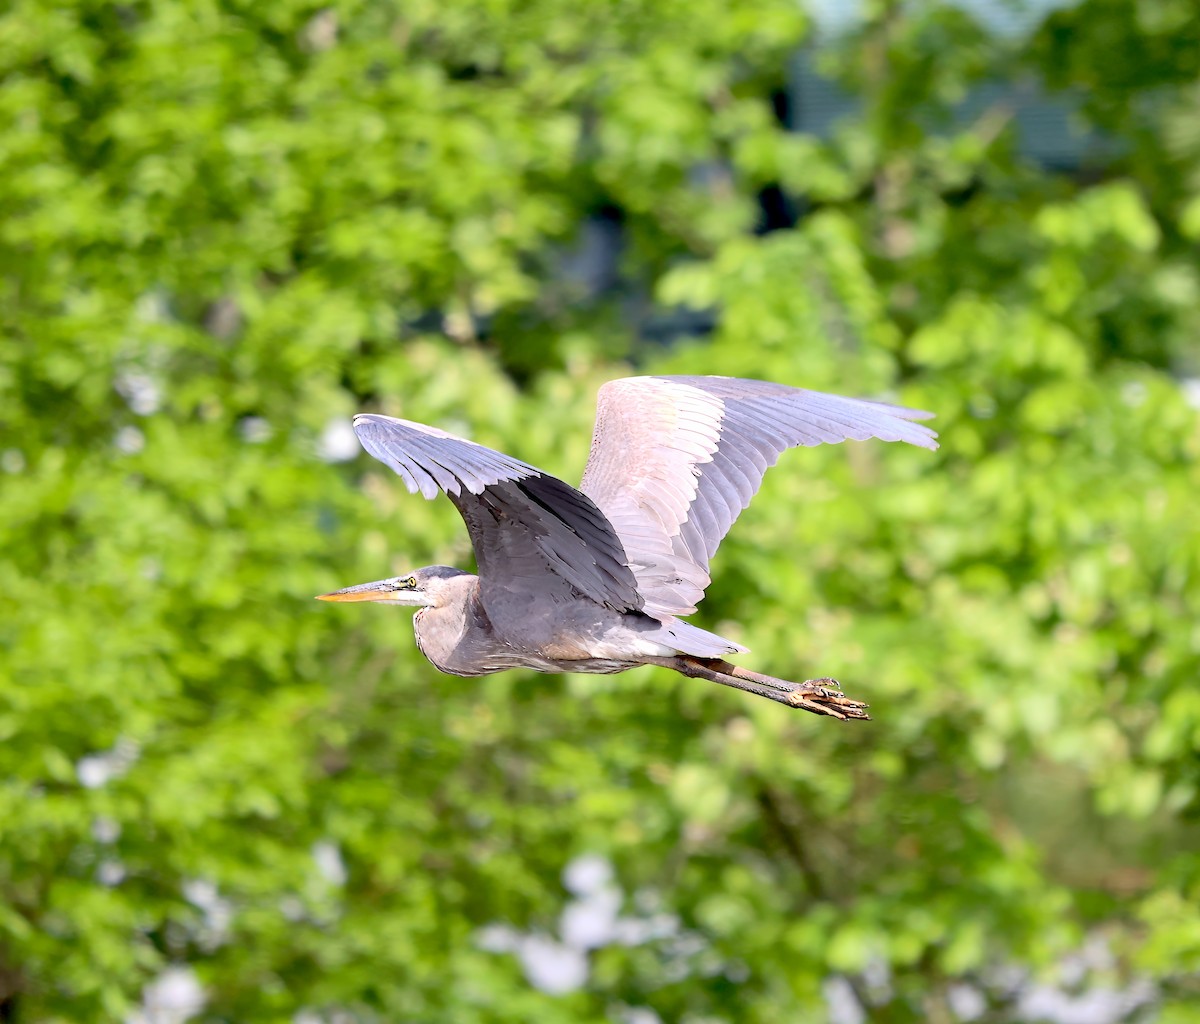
(820, 696)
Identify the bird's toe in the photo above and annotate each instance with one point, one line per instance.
(824, 697)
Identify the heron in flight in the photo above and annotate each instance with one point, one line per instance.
(597, 579)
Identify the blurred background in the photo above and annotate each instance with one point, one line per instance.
(225, 226)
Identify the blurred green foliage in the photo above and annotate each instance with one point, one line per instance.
(225, 226)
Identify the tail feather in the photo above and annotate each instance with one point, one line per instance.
(689, 639)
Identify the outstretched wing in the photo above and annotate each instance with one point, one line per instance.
(530, 530)
(674, 461)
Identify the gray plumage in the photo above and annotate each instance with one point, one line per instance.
(595, 579)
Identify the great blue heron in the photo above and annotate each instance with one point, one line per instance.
(595, 579)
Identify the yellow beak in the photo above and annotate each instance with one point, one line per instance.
(380, 591)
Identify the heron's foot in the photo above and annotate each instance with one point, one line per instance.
(820, 696)
(824, 697)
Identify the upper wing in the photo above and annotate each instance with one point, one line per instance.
(529, 529)
(674, 461)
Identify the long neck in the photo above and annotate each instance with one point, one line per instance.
(456, 635)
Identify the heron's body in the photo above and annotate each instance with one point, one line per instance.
(596, 579)
(461, 639)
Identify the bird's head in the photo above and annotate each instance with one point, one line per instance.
(425, 588)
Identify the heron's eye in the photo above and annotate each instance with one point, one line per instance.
(409, 583)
